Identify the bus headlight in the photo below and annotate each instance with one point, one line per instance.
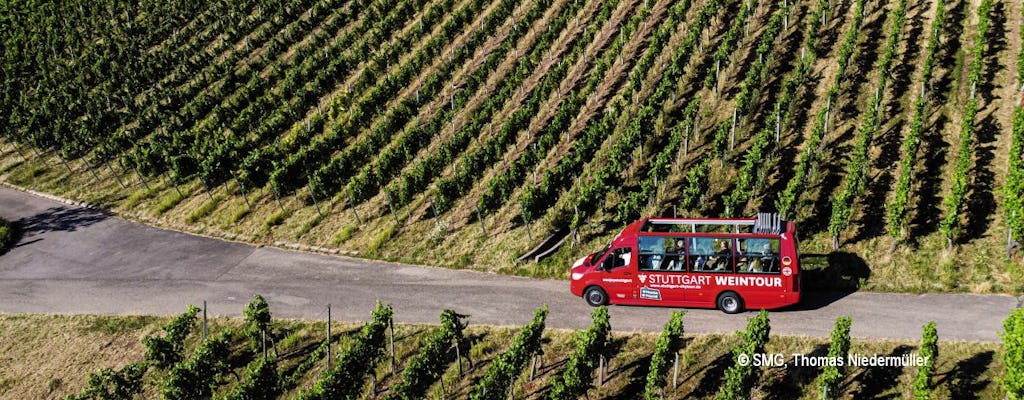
(577, 276)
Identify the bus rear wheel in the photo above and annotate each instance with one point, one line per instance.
(730, 303)
(595, 296)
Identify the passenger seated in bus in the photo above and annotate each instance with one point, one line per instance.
(766, 257)
(676, 261)
(721, 258)
(743, 262)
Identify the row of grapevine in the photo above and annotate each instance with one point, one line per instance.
(370, 103)
(897, 207)
(499, 188)
(1013, 189)
(627, 141)
(536, 198)
(789, 199)
(857, 167)
(179, 142)
(503, 370)
(397, 154)
(658, 169)
(426, 367)
(344, 380)
(424, 170)
(342, 167)
(196, 377)
(475, 163)
(165, 351)
(189, 86)
(833, 374)
(306, 83)
(954, 201)
(929, 352)
(730, 42)
(106, 383)
(590, 347)
(59, 93)
(741, 377)
(1013, 354)
(751, 172)
(669, 342)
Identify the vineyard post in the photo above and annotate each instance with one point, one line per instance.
(204, 319)
(480, 217)
(16, 148)
(312, 194)
(353, 204)
(206, 188)
(139, 174)
(391, 341)
(328, 335)
(458, 355)
(828, 115)
(433, 211)
(245, 196)
(277, 196)
(115, 174)
(37, 153)
(391, 207)
(732, 132)
(778, 123)
(675, 372)
(1009, 239)
(169, 179)
(88, 166)
(526, 220)
(263, 332)
(600, 371)
(63, 161)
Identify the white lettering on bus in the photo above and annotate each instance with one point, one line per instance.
(678, 279)
(748, 281)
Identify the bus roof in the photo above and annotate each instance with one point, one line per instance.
(764, 223)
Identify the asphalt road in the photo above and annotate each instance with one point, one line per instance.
(75, 260)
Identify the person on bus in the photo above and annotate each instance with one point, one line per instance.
(722, 257)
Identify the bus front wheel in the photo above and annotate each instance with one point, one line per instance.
(730, 303)
(595, 296)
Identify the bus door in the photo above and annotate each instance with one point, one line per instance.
(617, 276)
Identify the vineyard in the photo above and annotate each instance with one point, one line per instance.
(462, 133)
(259, 357)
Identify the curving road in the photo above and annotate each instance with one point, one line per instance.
(75, 260)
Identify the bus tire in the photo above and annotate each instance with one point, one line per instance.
(730, 303)
(595, 296)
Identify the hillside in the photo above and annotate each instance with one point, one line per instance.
(463, 132)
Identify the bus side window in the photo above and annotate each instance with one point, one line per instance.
(700, 252)
(617, 259)
(762, 256)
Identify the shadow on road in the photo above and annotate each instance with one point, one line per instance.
(58, 219)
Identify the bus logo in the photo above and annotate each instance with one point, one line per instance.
(643, 278)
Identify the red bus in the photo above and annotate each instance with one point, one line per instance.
(729, 264)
